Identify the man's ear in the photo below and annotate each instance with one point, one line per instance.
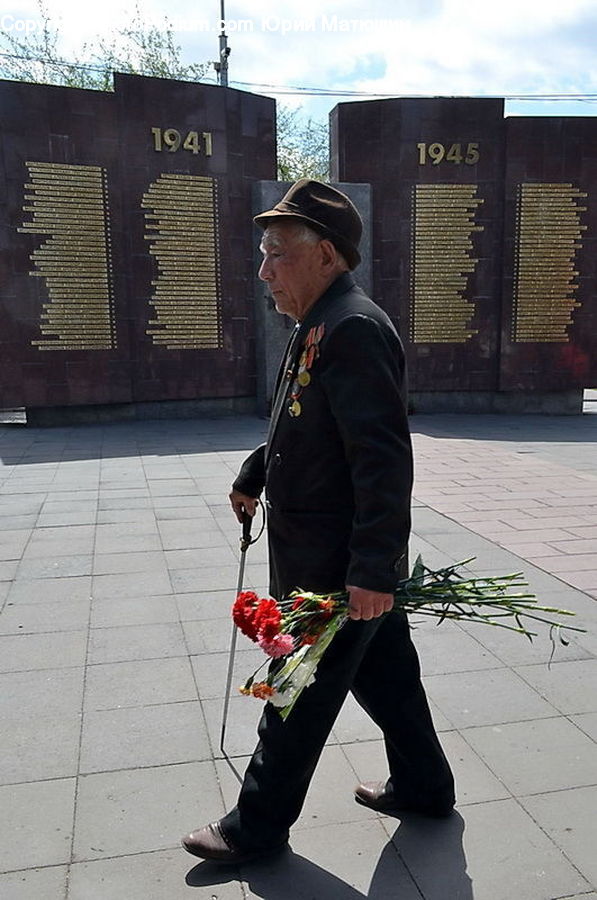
(329, 254)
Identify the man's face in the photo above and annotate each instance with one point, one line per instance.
(291, 268)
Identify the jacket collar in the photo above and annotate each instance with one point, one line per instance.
(315, 316)
(341, 285)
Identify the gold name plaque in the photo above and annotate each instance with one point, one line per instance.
(443, 225)
(183, 230)
(548, 237)
(69, 204)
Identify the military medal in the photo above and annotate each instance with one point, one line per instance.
(306, 360)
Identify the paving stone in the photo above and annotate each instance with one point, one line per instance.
(55, 567)
(570, 686)
(159, 875)
(515, 649)
(207, 578)
(489, 697)
(49, 882)
(582, 580)
(36, 590)
(475, 783)
(126, 543)
(74, 517)
(139, 683)
(587, 723)
(353, 724)
(350, 861)
(449, 649)
(39, 693)
(181, 534)
(134, 611)
(489, 851)
(21, 506)
(57, 548)
(21, 652)
(154, 641)
(241, 729)
(177, 508)
(12, 522)
(110, 492)
(144, 809)
(118, 516)
(536, 756)
(130, 584)
(199, 557)
(24, 807)
(569, 820)
(68, 506)
(205, 605)
(172, 487)
(120, 530)
(121, 563)
(183, 501)
(13, 547)
(145, 736)
(211, 671)
(210, 635)
(124, 503)
(141, 712)
(39, 746)
(8, 570)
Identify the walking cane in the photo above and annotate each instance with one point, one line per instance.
(245, 542)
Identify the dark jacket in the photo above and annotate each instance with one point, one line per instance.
(338, 475)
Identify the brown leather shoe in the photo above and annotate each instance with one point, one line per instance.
(378, 796)
(211, 843)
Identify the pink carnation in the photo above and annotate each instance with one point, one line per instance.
(280, 645)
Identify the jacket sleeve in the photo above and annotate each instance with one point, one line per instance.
(363, 372)
(251, 478)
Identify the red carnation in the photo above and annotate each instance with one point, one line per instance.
(244, 613)
(267, 619)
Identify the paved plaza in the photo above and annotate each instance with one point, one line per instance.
(118, 565)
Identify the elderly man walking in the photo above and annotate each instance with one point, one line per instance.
(337, 473)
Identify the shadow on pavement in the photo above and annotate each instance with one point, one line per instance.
(432, 852)
(520, 429)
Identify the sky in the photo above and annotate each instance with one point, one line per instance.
(393, 47)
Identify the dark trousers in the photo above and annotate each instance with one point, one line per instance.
(378, 662)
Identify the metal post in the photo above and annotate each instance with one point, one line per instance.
(222, 65)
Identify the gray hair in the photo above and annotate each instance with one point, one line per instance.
(302, 233)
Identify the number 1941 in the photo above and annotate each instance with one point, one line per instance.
(438, 152)
(172, 140)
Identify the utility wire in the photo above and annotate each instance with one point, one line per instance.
(298, 90)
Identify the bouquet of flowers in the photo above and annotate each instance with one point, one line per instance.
(298, 630)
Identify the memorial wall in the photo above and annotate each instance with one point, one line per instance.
(127, 269)
(126, 247)
(483, 239)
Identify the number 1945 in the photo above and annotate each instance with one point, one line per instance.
(438, 152)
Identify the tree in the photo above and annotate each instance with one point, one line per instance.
(143, 49)
(302, 146)
(139, 49)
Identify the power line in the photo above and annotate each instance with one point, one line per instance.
(299, 90)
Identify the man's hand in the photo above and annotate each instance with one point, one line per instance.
(363, 604)
(241, 503)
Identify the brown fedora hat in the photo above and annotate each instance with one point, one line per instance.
(323, 208)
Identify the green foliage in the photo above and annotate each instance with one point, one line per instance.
(143, 49)
(138, 49)
(302, 146)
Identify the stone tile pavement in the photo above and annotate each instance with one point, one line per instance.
(118, 563)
